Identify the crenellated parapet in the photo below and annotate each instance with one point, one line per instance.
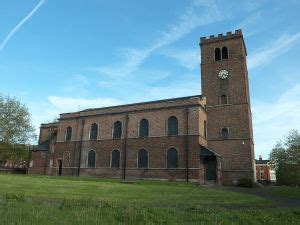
(221, 37)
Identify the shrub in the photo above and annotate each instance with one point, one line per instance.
(245, 182)
(19, 197)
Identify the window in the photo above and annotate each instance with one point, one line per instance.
(142, 158)
(94, 132)
(224, 133)
(91, 160)
(66, 159)
(144, 128)
(117, 133)
(205, 129)
(115, 158)
(172, 158)
(172, 126)
(217, 54)
(69, 134)
(224, 53)
(224, 100)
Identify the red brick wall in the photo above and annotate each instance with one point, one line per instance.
(38, 162)
(237, 151)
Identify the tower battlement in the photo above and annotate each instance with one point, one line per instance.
(229, 35)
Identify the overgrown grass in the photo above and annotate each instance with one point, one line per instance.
(50, 200)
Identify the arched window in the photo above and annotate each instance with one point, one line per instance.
(217, 54)
(205, 129)
(172, 126)
(117, 133)
(91, 160)
(144, 128)
(115, 158)
(142, 158)
(94, 131)
(224, 53)
(69, 134)
(172, 158)
(66, 159)
(224, 99)
(224, 132)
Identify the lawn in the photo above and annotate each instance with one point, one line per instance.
(64, 200)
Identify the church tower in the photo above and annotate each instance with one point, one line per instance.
(224, 80)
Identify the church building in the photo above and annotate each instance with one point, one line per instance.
(204, 138)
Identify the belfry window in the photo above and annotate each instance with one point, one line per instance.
(69, 134)
(144, 128)
(217, 54)
(142, 158)
(172, 158)
(94, 131)
(115, 158)
(91, 160)
(223, 100)
(224, 133)
(117, 132)
(172, 126)
(224, 52)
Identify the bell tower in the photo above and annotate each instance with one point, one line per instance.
(224, 81)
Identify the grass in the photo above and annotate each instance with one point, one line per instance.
(65, 200)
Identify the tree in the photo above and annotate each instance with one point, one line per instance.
(15, 129)
(285, 158)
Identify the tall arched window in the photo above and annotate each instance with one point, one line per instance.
(94, 131)
(144, 128)
(115, 158)
(69, 134)
(142, 158)
(224, 133)
(217, 54)
(205, 129)
(224, 53)
(172, 158)
(172, 126)
(117, 132)
(91, 160)
(223, 99)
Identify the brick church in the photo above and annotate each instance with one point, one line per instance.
(201, 138)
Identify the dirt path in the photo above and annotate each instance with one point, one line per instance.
(278, 201)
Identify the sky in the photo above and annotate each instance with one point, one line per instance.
(59, 56)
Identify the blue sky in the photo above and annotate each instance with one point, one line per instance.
(61, 55)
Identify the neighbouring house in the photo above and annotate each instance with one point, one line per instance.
(264, 171)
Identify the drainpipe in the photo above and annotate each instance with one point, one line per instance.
(80, 146)
(125, 147)
(187, 144)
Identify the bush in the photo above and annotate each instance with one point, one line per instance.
(19, 197)
(288, 174)
(245, 182)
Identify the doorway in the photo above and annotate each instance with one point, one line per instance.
(60, 163)
(210, 168)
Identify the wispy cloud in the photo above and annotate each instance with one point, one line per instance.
(273, 120)
(69, 104)
(188, 58)
(20, 24)
(199, 13)
(273, 50)
(249, 25)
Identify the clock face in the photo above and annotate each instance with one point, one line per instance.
(223, 74)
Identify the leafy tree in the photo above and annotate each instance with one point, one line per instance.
(15, 129)
(285, 157)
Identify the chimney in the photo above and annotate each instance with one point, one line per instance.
(260, 158)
